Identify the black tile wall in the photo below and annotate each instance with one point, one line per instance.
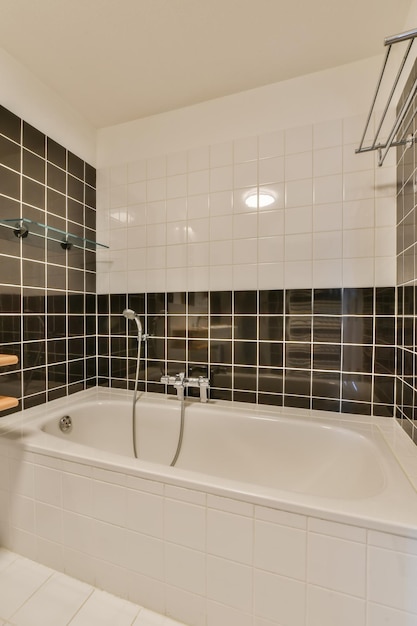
(330, 349)
(47, 294)
(406, 353)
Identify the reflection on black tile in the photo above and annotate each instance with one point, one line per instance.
(326, 384)
(271, 327)
(320, 404)
(358, 301)
(75, 325)
(245, 378)
(57, 375)
(358, 408)
(75, 211)
(272, 399)
(298, 301)
(270, 380)
(385, 330)
(198, 303)
(156, 303)
(356, 387)
(327, 329)
(271, 301)
(220, 302)
(56, 326)
(75, 280)
(197, 326)
(385, 301)
(33, 274)
(245, 352)
(357, 358)
(327, 301)
(245, 302)
(221, 377)
(299, 402)
(271, 354)
(384, 360)
(198, 350)
(34, 354)
(245, 327)
(298, 328)
(220, 351)
(9, 329)
(56, 350)
(176, 349)
(33, 327)
(327, 356)
(297, 382)
(384, 389)
(298, 355)
(357, 330)
(220, 327)
(10, 301)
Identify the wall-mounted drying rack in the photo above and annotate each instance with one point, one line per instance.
(406, 138)
(22, 227)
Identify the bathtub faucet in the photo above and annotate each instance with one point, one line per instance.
(180, 382)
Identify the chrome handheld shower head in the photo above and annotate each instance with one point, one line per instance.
(131, 315)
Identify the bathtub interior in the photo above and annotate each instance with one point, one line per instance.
(235, 443)
(374, 482)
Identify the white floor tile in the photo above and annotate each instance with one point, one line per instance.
(6, 557)
(31, 593)
(18, 582)
(55, 603)
(103, 609)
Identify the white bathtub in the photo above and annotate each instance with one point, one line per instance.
(242, 469)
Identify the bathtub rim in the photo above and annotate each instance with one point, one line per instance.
(27, 439)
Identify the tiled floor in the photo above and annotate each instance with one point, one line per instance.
(34, 595)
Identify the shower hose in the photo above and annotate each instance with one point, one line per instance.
(181, 433)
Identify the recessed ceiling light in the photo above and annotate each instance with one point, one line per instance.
(260, 200)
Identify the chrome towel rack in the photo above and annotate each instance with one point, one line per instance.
(406, 137)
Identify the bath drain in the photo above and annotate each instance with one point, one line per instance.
(65, 423)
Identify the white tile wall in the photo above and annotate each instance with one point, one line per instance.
(166, 216)
(199, 558)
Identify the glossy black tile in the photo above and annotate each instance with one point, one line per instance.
(75, 188)
(357, 359)
(220, 302)
(220, 351)
(9, 154)
(33, 193)
(33, 139)
(358, 301)
(245, 352)
(10, 124)
(245, 302)
(327, 301)
(270, 380)
(357, 329)
(33, 274)
(245, 327)
(56, 153)
(271, 354)
(271, 302)
(298, 301)
(75, 166)
(271, 327)
(33, 166)
(9, 183)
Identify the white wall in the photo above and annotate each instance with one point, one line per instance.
(37, 104)
(171, 189)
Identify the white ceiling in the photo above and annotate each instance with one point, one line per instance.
(118, 60)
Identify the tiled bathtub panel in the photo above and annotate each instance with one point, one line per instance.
(308, 596)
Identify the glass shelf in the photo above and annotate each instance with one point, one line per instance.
(22, 227)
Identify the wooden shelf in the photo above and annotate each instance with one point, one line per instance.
(8, 359)
(7, 402)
